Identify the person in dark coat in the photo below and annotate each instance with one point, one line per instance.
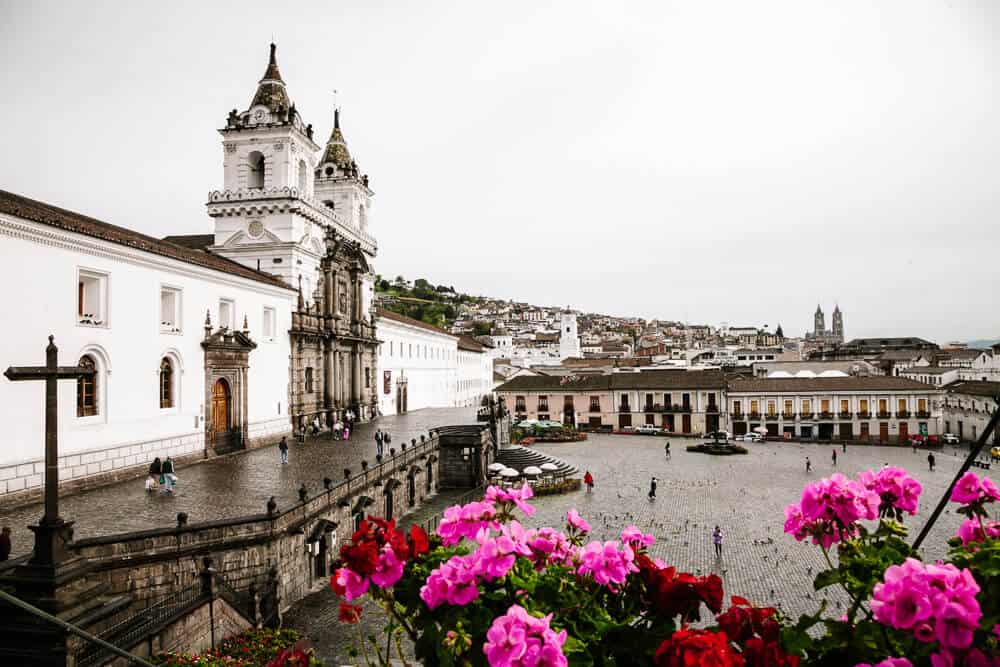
(5, 543)
(283, 449)
(652, 488)
(155, 469)
(168, 476)
(930, 461)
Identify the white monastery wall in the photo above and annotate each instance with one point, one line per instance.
(40, 265)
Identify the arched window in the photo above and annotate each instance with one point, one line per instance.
(255, 170)
(86, 389)
(166, 384)
(303, 177)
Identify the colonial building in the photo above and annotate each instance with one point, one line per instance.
(475, 372)
(869, 409)
(290, 210)
(968, 406)
(686, 402)
(189, 348)
(418, 364)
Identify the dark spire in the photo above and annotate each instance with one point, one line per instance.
(336, 148)
(272, 73)
(336, 118)
(271, 88)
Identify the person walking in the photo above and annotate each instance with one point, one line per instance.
(843, 446)
(315, 426)
(378, 442)
(809, 465)
(666, 449)
(588, 479)
(717, 541)
(283, 450)
(5, 543)
(155, 470)
(930, 461)
(652, 488)
(834, 458)
(168, 477)
(338, 430)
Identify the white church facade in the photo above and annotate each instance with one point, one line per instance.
(189, 349)
(208, 343)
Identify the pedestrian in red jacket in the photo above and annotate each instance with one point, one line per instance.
(588, 479)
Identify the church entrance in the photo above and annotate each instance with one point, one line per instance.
(227, 358)
(222, 418)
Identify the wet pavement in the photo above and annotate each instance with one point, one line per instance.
(745, 495)
(230, 486)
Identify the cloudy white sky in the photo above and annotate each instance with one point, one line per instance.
(705, 161)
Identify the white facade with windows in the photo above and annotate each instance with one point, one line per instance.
(417, 365)
(138, 316)
(475, 373)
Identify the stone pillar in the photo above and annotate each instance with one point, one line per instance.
(328, 305)
(335, 294)
(328, 376)
(356, 376)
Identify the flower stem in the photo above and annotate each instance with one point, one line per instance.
(855, 601)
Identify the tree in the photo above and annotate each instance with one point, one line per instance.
(482, 328)
(383, 285)
(778, 332)
(400, 281)
(449, 312)
(421, 283)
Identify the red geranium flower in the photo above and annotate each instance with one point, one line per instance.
(349, 613)
(418, 540)
(361, 557)
(760, 653)
(674, 593)
(697, 648)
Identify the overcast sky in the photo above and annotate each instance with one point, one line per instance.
(706, 161)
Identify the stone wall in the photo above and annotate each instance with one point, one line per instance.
(299, 541)
(23, 482)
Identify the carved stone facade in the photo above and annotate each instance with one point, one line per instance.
(334, 349)
(227, 359)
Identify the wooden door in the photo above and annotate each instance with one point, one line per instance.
(686, 423)
(904, 432)
(220, 407)
(883, 432)
(864, 431)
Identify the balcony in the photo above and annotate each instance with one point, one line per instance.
(595, 408)
(738, 415)
(754, 415)
(624, 407)
(712, 408)
(923, 414)
(845, 414)
(653, 407)
(805, 415)
(826, 415)
(864, 414)
(788, 415)
(883, 415)
(771, 416)
(903, 414)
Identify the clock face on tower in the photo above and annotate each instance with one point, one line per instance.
(258, 115)
(255, 229)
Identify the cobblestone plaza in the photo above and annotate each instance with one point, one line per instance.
(744, 495)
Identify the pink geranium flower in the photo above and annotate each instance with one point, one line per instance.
(607, 563)
(889, 662)
(389, 568)
(966, 490)
(354, 585)
(636, 538)
(518, 639)
(577, 522)
(518, 496)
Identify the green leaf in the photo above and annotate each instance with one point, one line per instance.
(826, 578)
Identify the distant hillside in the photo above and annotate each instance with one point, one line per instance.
(983, 343)
(433, 304)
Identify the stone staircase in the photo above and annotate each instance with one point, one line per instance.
(519, 458)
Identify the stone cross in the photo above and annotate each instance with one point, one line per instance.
(47, 550)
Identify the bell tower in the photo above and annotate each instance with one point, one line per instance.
(569, 340)
(265, 215)
(819, 322)
(339, 182)
(838, 324)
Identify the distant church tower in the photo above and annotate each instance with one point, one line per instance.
(819, 322)
(569, 340)
(838, 324)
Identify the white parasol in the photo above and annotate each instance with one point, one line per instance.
(532, 470)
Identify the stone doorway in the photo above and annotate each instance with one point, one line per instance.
(401, 396)
(227, 360)
(221, 408)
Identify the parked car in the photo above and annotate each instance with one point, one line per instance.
(950, 439)
(647, 429)
(753, 437)
(721, 435)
